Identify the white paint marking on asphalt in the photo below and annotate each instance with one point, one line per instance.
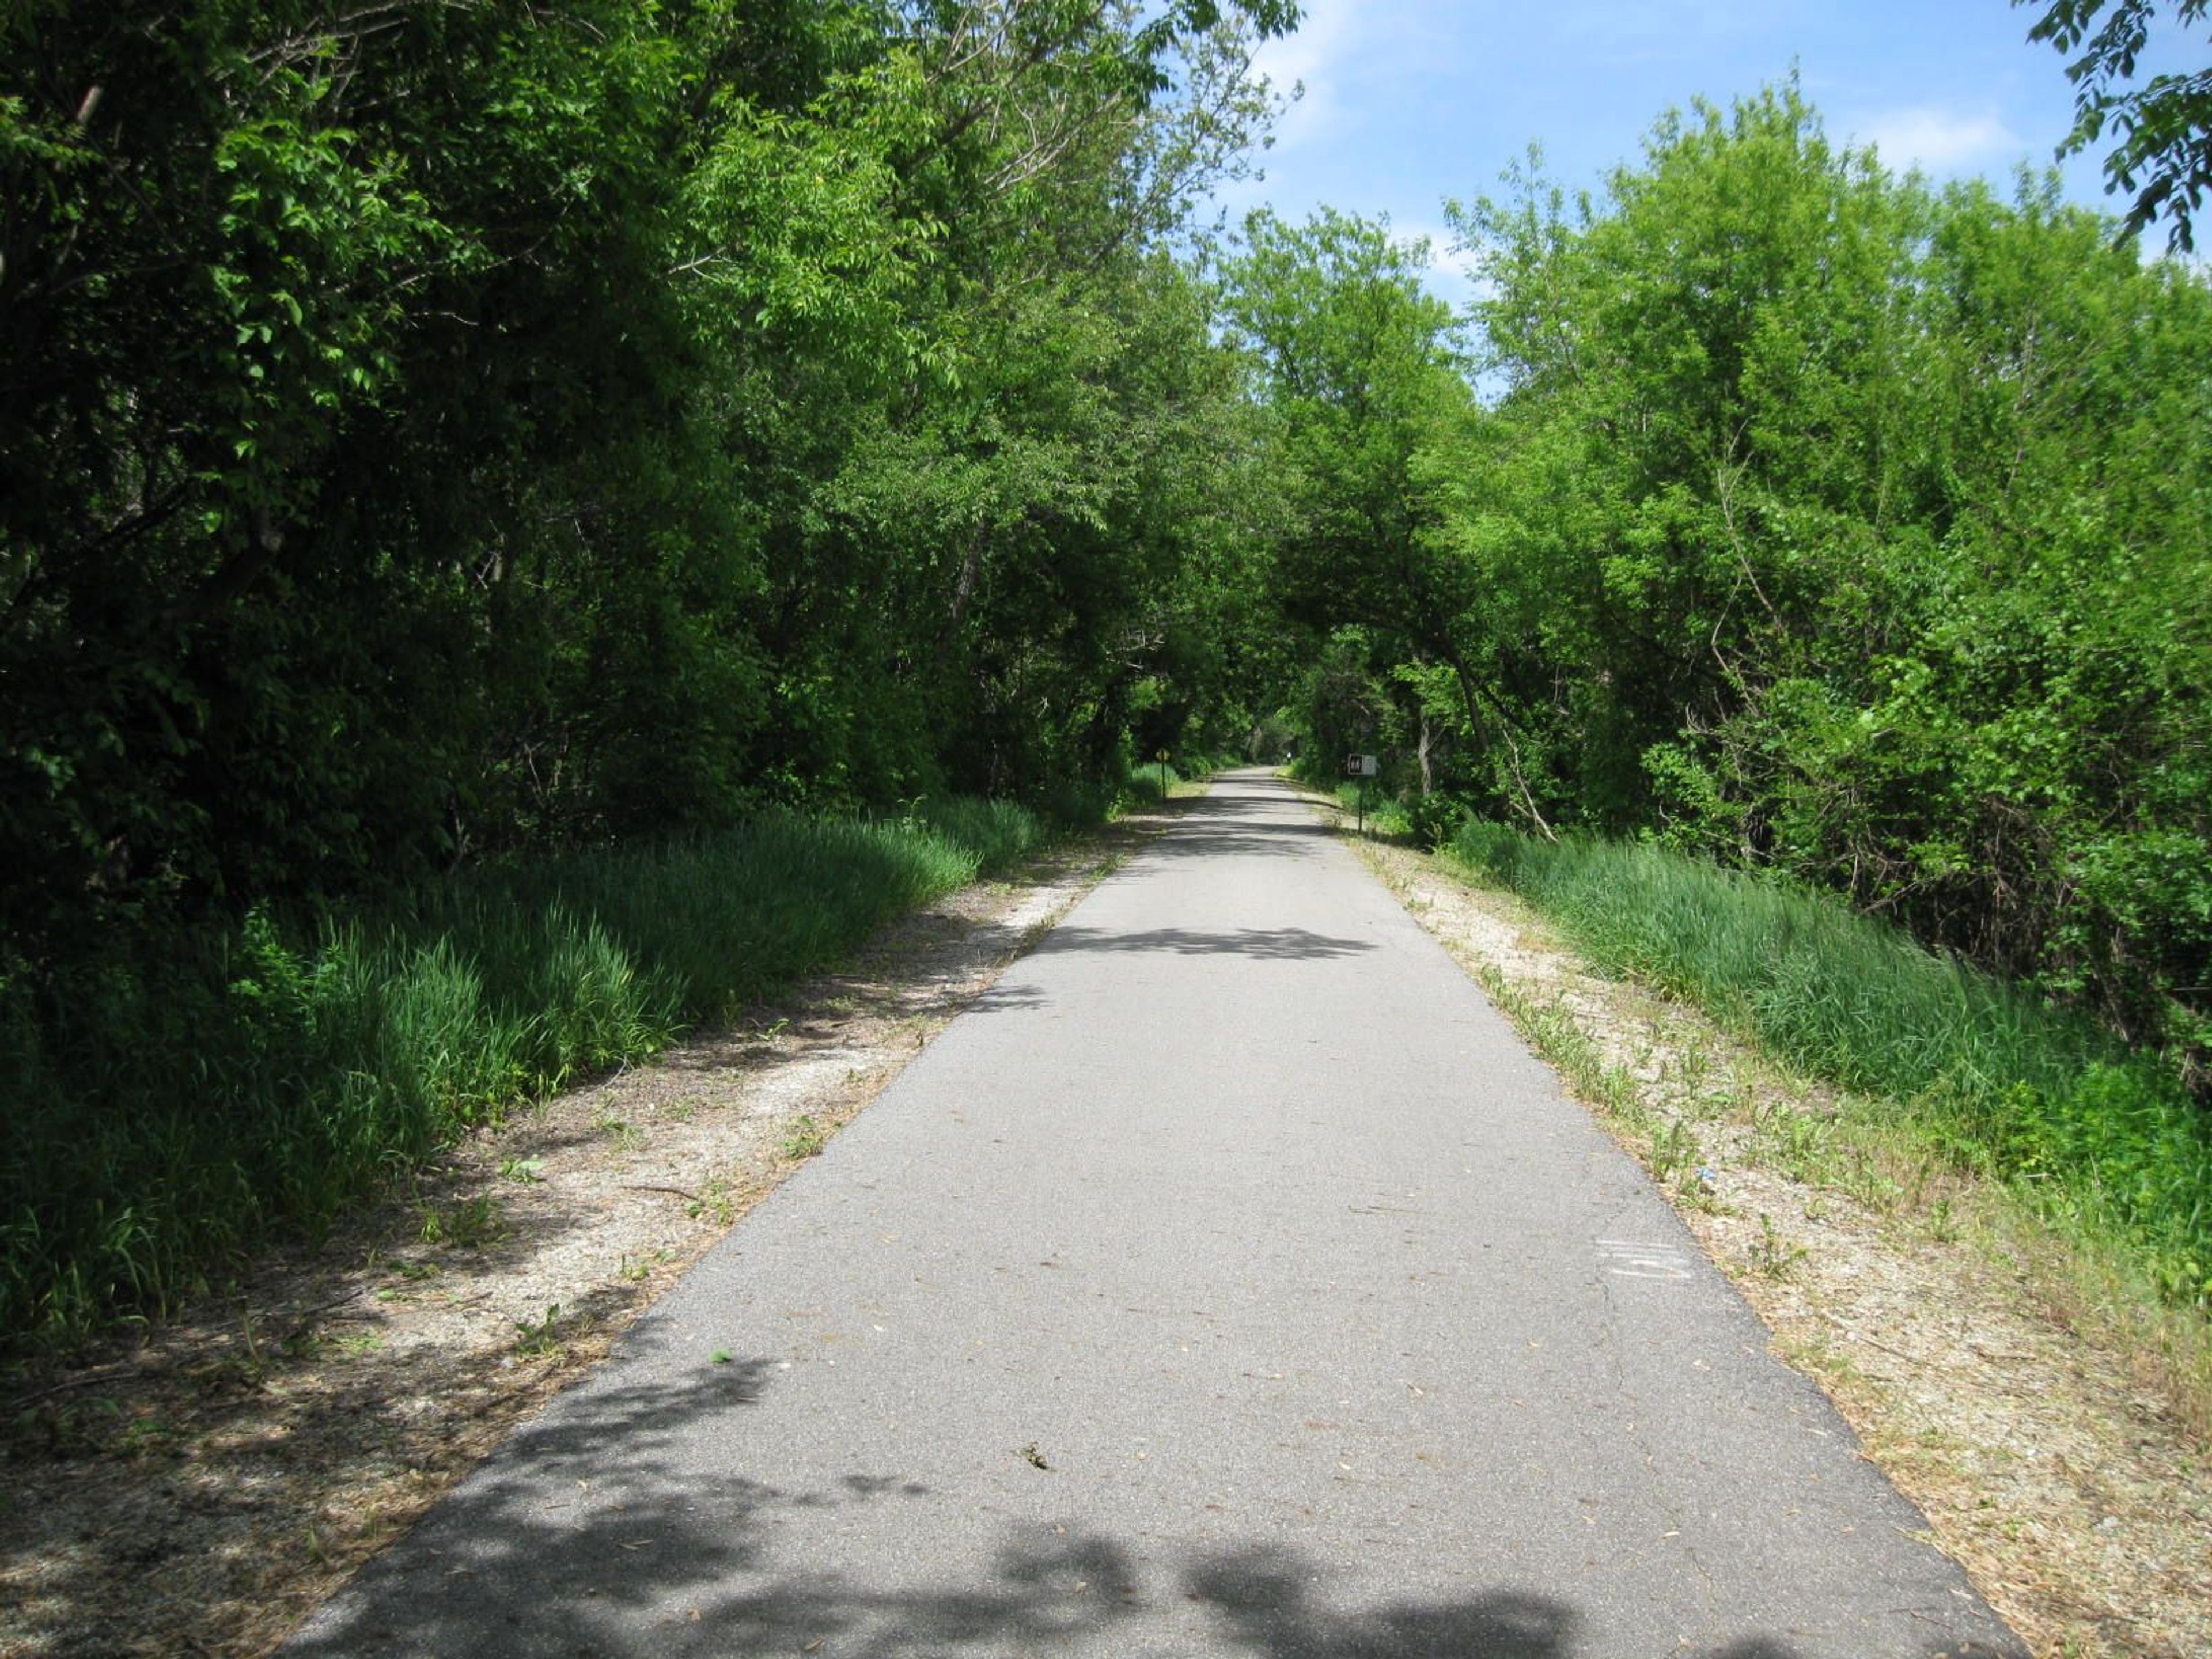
(1626, 1258)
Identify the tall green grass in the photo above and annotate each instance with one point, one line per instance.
(1383, 813)
(2004, 1080)
(1154, 780)
(170, 1108)
(999, 833)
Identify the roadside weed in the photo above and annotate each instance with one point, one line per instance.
(537, 1338)
(1771, 1255)
(1675, 1154)
(470, 1224)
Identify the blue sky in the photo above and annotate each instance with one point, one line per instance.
(1410, 101)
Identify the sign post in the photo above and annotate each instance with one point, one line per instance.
(1362, 767)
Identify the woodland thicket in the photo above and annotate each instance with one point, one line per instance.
(436, 430)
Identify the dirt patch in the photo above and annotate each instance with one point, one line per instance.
(199, 1488)
(2045, 1455)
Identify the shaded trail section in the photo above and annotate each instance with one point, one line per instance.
(1228, 1281)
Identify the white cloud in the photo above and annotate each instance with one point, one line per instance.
(1322, 40)
(1938, 140)
(1406, 232)
(1445, 274)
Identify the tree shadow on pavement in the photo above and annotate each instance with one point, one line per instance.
(1281, 944)
(599, 1531)
(1242, 840)
(1217, 827)
(1263, 1603)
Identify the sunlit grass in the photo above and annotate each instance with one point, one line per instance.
(1382, 814)
(1155, 781)
(2105, 1139)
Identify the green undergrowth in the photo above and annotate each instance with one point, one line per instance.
(1404, 816)
(1385, 815)
(1081, 806)
(1155, 781)
(170, 1108)
(2100, 1138)
(1001, 834)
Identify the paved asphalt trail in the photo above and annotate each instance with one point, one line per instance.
(1229, 1280)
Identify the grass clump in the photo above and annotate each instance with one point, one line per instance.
(2002, 1080)
(999, 833)
(1079, 805)
(173, 1101)
(1158, 782)
(1385, 815)
(1155, 781)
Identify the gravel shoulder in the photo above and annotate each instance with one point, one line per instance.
(199, 1487)
(2040, 1441)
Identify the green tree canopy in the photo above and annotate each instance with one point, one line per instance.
(436, 430)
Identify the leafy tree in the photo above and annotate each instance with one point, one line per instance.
(425, 425)
(1358, 368)
(1838, 519)
(1701, 373)
(2164, 153)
